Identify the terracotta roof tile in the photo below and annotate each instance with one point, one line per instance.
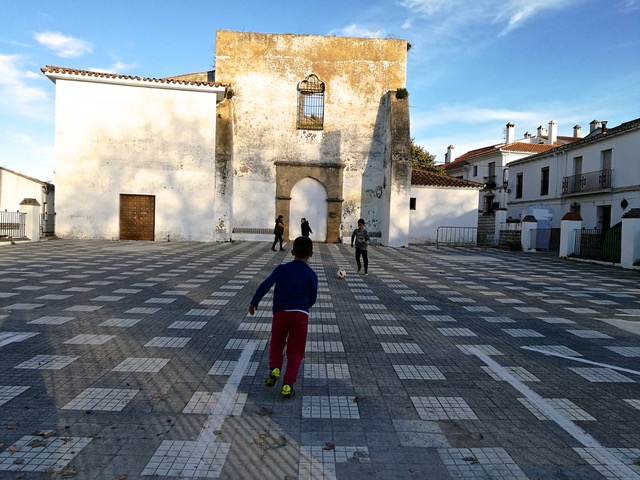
(525, 147)
(425, 178)
(476, 152)
(87, 73)
(529, 147)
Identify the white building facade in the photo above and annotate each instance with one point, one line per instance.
(298, 125)
(438, 200)
(489, 165)
(597, 177)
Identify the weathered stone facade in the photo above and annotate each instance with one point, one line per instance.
(361, 154)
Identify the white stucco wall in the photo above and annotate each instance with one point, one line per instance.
(137, 138)
(438, 206)
(14, 188)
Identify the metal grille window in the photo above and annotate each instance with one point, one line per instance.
(310, 104)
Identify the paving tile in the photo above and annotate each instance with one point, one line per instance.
(143, 358)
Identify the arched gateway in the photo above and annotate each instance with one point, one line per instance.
(288, 174)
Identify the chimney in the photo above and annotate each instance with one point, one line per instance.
(594, 125)
(604, 127)
(511, 133)
(448, 158)
(553, 132)
(577, 131)
(541, 131)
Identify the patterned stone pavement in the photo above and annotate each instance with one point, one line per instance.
(135, 360)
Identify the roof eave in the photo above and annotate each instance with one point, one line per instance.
(81, 76)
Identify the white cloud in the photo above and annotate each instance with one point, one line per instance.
(118, 66)
(17, 94)
(354, 30)
(457, 15)
(63, 45)
(628, 6)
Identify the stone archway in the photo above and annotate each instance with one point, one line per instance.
(329, 175)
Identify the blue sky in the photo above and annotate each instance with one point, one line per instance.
(474, 64)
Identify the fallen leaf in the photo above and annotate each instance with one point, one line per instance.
(19, 461)
(357, 399)
(471, 459)
(37, 443)
(14, 449)
(264, 411)
(329, 446)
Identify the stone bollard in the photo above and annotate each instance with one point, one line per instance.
(528, 233)
(31, 207)
(630, 247)
(570, 223)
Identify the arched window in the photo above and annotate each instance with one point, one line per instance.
(310, 104)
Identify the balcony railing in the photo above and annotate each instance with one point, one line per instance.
(587, 182)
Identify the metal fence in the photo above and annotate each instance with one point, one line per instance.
(595, 244)
(12, 224)
(47, 225)
(510, 233)
(459, 236)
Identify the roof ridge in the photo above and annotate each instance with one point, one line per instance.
(90, 73)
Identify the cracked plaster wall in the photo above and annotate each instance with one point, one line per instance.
(264, 71)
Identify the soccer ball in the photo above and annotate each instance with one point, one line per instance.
(342, 273)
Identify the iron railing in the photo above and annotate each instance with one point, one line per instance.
(12, 224)
(47, 225)
(459, 236)
(595, 244)
(510, 233)
(587, 182)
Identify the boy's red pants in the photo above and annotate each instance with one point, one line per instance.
(288, 329)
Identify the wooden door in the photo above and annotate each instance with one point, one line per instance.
(137, 217)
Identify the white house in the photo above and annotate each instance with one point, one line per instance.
(298, 125)
(16, 187)
(489, 165)
(438, 200)
(597, 177)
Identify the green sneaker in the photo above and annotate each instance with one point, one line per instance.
(288, 391)
(272, 378)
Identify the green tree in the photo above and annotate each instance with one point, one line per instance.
(421, 159)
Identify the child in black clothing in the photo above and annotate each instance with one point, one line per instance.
(361, 238)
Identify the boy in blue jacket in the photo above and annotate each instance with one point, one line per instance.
(296, 291)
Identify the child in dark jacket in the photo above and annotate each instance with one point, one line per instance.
(296, 291)
(361, 238)
(278, 230)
